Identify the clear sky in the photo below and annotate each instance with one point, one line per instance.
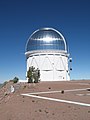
(19, 18)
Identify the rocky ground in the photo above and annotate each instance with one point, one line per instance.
(14, 106)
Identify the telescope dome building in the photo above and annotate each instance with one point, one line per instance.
(46, 49)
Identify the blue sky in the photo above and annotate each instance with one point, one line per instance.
(19, 18)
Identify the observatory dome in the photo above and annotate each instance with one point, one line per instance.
(46, 39)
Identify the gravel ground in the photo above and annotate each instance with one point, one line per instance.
(14, 106)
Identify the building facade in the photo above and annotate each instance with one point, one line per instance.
(46, 49)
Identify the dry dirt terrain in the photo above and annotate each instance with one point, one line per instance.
(59, 101)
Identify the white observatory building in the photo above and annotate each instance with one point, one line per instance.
(47, 50)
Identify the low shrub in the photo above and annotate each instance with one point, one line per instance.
(15, 80)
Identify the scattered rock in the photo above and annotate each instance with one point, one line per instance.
(40, 110)
(88, 89)
(62, 91)
(88, 111)
(24, 86)
(23, 96)
(49, 88)
(5, 94)
(63, 112)
(53, 114)
(33, 101)
(69, 106)
(46, 112)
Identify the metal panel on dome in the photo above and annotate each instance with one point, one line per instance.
(46, 39)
